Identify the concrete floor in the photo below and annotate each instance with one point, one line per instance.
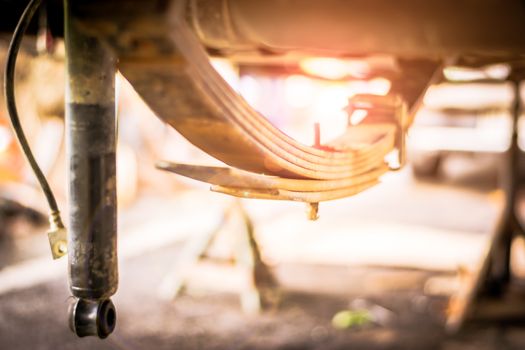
(387, 246)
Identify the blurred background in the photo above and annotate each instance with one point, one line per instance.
(375, 271)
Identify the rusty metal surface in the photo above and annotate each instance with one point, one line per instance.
(345, 27)
(91, 147)
(409, 27)
(308, 197)
(244, 184)
(229, 177)
(185, 91)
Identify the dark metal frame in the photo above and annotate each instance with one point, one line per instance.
(499, 273)
(491, 280)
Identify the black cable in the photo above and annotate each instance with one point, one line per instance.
(9, 91)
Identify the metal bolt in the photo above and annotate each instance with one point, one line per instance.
(312, 211)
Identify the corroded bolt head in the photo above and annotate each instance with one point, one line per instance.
(312, 211)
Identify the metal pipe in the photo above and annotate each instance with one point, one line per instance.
(91, 145)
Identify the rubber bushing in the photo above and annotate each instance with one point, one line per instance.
(92, 317)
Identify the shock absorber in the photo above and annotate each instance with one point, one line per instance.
(91, 145)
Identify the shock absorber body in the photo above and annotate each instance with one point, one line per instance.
(91, 146)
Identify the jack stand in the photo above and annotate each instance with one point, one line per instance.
(258, 285)
(493, 277)
(91, 145)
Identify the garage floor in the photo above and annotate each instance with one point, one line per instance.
(394, 250)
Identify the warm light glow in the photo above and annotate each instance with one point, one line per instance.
(491, 139)
(250, 89)
(299, 91)
(379, 86)
(331, 99)
(227, 70)
(334, 68)
(358, 116)
(5, 139)
(328, 110)
(304, 100)
(493, 71)
(498, 71)
(469, 96)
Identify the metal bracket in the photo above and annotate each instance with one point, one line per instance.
(384, 110)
